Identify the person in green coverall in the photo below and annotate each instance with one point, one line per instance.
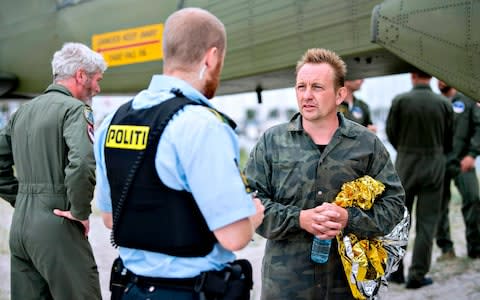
(461, 169)
(355, 109)
(48, 141)
(420, 128)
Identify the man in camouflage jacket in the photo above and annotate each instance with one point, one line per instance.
(299, 167)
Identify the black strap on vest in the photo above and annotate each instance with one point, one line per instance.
(221, 115)
(124, 193)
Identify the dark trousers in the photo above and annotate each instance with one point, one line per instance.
(467, 184)
(135, 292)
(422, 178)
(50, 256)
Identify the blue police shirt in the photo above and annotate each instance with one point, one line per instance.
(199, 154)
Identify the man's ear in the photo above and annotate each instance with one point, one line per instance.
(211, 57)
(80, 76)
(341, 95)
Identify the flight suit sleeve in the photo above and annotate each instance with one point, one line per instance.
(449, 130)
(474, 148)
(80, 168)
(8, 181)
(369, 118)
(368, 114)
(391, 126)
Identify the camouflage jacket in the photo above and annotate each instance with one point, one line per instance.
(291, 174)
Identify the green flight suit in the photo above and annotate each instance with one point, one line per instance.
(419, 127)
(359, 112)
(291, 174)
(47, 141)
(466, 141)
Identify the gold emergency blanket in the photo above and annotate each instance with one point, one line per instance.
(363, 260)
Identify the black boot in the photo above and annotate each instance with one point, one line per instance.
(416, 284)
(397, 276)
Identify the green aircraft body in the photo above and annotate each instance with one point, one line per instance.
(265, 39)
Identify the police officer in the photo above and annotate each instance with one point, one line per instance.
(49, 141)
(419, 127)
(355, 109)
(461, 168)
(168, 178)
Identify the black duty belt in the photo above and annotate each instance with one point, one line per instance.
(233, 282)
(182, 283)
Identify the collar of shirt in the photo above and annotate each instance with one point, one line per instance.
(59, 88)
(345, 126)
(160, 88)
(422, 86)
(459, 97)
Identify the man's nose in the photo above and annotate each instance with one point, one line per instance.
(308, 93)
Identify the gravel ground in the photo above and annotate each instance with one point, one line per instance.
(457, 279)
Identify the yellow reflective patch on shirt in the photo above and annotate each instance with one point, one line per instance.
(127, 137)
(248, 189)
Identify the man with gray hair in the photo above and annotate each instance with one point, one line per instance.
(48, 141)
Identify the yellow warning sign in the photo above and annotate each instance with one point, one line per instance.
(131, 137)
(130, 46)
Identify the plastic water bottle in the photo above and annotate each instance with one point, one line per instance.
(320, 250)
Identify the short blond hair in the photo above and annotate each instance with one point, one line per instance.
(319, 56)
(187, 36)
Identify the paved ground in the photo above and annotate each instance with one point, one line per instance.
(458, 279)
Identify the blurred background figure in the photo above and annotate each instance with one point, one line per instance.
(419, 127)
(354, 108)
(461, 168)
